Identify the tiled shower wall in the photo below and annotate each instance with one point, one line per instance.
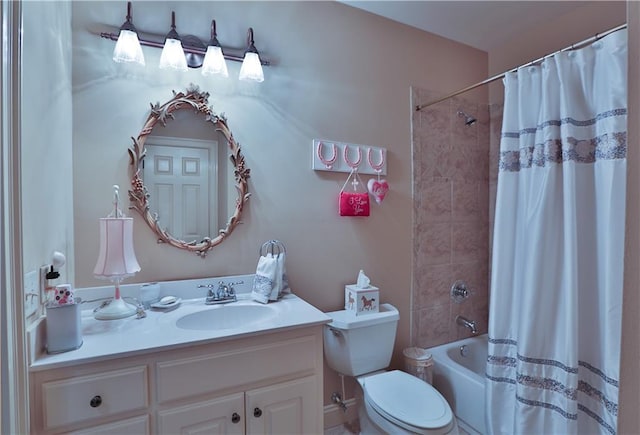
(451, 218)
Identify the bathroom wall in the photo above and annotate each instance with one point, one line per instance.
(46, 153)
(583, 22)
(451, 217)
(629, 399)
(339, 73)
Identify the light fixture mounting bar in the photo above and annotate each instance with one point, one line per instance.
(186, 48)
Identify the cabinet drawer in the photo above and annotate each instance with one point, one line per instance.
(131, 426)
(85, 398)
(209, 373)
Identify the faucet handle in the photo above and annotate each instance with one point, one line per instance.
(209, 287)
(460, 291)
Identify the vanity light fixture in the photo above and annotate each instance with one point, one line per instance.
(251, 69)
(116, 260)
(214, 62)
(128, 47)
(187, 51)
(172, 53)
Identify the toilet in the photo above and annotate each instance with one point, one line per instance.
(391, 402)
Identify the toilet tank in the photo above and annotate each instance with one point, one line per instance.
(355, 345)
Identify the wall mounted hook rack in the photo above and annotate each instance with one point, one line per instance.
(332, 156)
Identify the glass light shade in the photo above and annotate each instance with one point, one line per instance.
(173, 56)
(251, 68)
(128, 48)
(214, 62)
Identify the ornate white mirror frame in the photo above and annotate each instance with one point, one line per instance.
(139, 195)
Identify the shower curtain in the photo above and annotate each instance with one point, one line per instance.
(556, 284)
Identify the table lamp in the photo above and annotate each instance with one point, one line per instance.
(116, 260)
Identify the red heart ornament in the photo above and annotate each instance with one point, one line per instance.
(378, 189)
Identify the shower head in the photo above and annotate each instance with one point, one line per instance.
(468, 119)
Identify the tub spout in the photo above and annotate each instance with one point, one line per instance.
(471, 324)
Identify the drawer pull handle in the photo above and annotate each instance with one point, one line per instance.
(257, 412)
(95, 401)
(235, 418)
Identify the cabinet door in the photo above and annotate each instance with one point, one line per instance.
(222, 416)
(286, 408)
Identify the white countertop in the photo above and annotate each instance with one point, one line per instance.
(109, 339)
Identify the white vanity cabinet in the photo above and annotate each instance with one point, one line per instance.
(259, 384)
(222, 415)
(283, 408)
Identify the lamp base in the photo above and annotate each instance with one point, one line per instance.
(117, 309)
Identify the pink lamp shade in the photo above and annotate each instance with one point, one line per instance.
(117, 259)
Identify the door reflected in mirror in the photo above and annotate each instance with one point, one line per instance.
(186, 169)
(182, 178)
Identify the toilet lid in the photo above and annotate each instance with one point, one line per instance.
(407, 400)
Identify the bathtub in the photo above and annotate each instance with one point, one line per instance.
(458, 374)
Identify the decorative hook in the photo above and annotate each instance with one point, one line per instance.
(376, 167)
(352, 165)
(334, 155)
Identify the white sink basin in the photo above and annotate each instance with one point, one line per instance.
(226, 317)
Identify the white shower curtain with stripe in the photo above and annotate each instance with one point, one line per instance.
(556, 284)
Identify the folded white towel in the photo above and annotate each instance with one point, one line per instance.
(265, 279)
(271, 281)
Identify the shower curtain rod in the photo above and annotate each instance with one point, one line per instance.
(580, 44)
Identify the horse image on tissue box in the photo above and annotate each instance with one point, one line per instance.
(361, 301)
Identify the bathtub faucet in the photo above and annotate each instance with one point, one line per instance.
(471, 324)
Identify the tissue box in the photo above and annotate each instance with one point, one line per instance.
(361, 301)
(64, 328)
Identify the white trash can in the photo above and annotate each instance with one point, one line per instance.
(419, 363)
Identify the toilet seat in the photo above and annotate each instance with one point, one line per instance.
(407, 401)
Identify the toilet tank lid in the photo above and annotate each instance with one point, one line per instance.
(344, 319)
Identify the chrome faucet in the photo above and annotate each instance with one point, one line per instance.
(223, 294)
(471, 324)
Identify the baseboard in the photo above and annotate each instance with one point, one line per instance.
(334, 415)
(468, 429)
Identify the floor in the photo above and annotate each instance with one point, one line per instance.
(344, 429)
(349, 429)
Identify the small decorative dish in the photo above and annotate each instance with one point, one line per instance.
(166, 304)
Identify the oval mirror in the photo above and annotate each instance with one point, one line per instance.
(180, 184)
